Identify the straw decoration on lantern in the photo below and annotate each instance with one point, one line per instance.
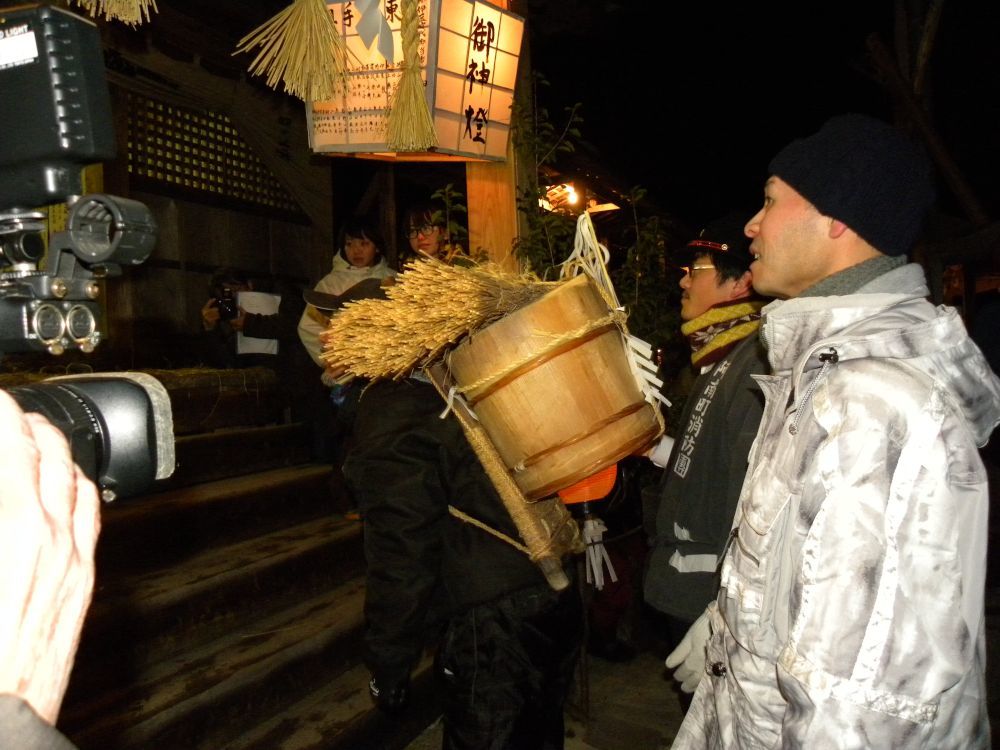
(410, 127)
(431, 307)
(300, 48)
(131, 12)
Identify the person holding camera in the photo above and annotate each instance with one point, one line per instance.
(223, 320)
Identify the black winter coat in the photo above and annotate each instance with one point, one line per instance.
(424, 565)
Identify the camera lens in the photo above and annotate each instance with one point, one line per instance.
(119, 428)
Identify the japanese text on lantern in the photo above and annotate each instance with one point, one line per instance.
(356, 118)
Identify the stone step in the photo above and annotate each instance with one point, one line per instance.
(165, 528)
(137, 619)
(199, 697)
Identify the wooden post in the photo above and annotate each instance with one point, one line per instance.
(492, 200)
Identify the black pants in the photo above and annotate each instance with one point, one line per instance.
(505, 669)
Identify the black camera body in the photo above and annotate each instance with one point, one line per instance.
(55, 116)
(228, 309)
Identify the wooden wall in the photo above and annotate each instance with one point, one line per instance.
(155, 308)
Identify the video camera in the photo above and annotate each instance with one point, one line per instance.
(55, 117)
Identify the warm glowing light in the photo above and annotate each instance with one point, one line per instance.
(469, 51)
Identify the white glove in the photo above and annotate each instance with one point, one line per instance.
(690, 654)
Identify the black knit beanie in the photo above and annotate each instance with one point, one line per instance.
(865, 173)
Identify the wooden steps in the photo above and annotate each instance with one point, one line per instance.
(338, 716)
(228, 610)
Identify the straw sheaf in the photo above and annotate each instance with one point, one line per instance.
(301, 49)
(431, 308)
(410, 127)
(131, 12)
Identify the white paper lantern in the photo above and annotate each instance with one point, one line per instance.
(469, 54)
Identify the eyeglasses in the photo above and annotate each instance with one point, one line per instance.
(425, 230)
(691, 269)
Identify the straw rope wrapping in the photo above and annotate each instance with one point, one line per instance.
(615, 317)
(546, 526)
(431, 308)
(410, 127)
(131, 12)
(301, 48)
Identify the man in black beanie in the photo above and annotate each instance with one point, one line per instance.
(850, 612)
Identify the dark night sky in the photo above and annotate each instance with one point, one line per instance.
(691, 101)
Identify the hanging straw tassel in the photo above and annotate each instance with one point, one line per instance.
(300, 48)
(131, 12)
(410, 126)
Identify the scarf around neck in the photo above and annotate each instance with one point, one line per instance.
(714, 333)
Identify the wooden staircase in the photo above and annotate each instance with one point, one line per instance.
(227, 612)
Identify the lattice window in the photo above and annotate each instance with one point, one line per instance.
(198, 150)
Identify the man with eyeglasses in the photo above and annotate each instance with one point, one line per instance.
(708, 457)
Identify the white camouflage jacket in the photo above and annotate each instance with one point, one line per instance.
(851, 609)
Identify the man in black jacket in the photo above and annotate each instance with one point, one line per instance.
(509, 645)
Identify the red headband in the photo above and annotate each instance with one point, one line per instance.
(710, 245)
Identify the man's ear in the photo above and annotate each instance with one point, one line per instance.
(742, 287)
(837, 228)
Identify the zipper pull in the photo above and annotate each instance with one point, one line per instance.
(829, 357)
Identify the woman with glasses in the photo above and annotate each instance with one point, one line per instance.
(424, 227)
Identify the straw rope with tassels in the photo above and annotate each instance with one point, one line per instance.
(131, 12)
(300, 48)
(410, 127)
(590, 257)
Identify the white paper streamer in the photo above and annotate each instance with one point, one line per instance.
(591, 258)
(597, 555)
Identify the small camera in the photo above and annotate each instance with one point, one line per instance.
(228, 308)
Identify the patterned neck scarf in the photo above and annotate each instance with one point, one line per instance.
(715, 332)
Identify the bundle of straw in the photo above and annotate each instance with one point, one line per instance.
(131, 12)
(430, 308)
(300, 48)
(410, 127)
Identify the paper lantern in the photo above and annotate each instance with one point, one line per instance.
(469, 54)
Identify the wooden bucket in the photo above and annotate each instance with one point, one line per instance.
(557, 400)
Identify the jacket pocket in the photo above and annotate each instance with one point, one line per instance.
(753, 575)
